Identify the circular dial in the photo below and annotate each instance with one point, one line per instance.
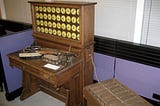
(59, 33)
(42, 29)
(45, 16)
(37, 22)
(46, 30)
(54, 25)
(50, 31)
(54, 17)
(73, 36)
(54, 32)
(73, 11)
(50, 24)
(74, 28)
(68, 11)
(64, 34)
(44, 9)
(63, 26)
(68, 19)
(74, 19)
(40, 9)
(58, 18)
(78, 20)
(49, 9)
(68, 27)
(53, 9)
(63, 18)
(37, 15)
(41, 16)
(69, 35)
(49, 16)
(45, 23)
(58, 10)
(58, 25)
(63, 10)
(78, 36)
(41, 22)
(38, 29)
(77, 28)
(36, 8)
(78, 12)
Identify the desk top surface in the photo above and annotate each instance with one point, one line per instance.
(36, 68)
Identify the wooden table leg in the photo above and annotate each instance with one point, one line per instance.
(30, 85)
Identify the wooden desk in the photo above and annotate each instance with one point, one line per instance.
(62, 84)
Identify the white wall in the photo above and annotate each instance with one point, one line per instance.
(2, 8)
(18, 10)
(113, 18)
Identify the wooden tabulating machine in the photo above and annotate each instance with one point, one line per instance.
(112, 93)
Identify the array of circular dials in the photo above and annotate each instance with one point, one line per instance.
(60, 21)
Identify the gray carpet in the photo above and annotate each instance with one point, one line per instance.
(38, 99)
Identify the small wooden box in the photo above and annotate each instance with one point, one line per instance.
(112, 93)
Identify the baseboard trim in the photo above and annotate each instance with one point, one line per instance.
(14, 94)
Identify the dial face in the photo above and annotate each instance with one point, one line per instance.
(78, 20)
(54, 32)
(68, 11)
(44, 9)
(73, 36)
(68, 27)
(63, 18)
(77, 28)
(59, 33)
(58, 18)
(54, 25)
(74, 19)
(58, 10)
(46, 30)
(58, 25)
(53, 9)
(69, 35)
(38, 29)
(49, 16)
(41, 22)
(50, 31)
(37, 22)
(74, 28)
(73, 11)
(36, 8)
(49, 9)
(45, 16)
(63, 26)
(64, 34)
(78, 37)
(63, 10)
(42, 29)
(40, 9)
(68, 19)
(50, 24)
(45, 23)
(78, 12)
(54, 17)
(37, 15)
(41, 16)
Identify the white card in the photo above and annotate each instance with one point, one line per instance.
(51, 66)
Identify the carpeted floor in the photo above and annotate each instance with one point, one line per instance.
(38, 99)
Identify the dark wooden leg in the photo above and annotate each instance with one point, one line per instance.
(30, 85)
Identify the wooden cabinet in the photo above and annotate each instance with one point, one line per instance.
(66, 26)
